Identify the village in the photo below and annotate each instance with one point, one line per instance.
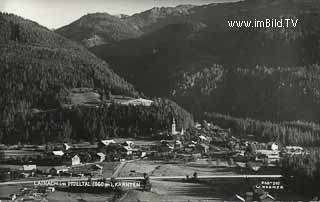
(212, 149)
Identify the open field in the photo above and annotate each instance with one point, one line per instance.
(161, 168)
(109, 168)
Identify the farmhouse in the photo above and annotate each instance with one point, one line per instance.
(58, 153)
(101, 156)
(104, 143)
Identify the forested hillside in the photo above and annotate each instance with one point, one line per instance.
(201, 63)
(37, 66)
(304, 134)
(93, 124)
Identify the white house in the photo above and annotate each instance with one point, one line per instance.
(101, 156)
(75, 160)
(58, 153)
(273, 146)
(29, 167)
(66, 146)
(106, 142)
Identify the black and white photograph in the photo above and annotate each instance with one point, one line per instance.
(159, 100)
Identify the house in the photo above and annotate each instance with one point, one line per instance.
(203, 138)
(128, 150)
(178, 144)
(104, 143)
(58, 170)
(58, 153)
(101, 156)
(254, 166)
(66, 146)
(29, 168)
(128, 143)
(75, 160)
(273, 146)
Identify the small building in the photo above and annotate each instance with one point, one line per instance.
(66, 146)
(203, 138)
(105, 143)
(58, 153)
(128, 150)
(75, 160)
(128, 143)
(273, 146)
(101, 156)
(29, 168)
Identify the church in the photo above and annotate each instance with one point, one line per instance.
(174, 129)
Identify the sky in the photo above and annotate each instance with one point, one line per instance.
(57, 13)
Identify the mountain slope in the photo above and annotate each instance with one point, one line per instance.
(39, 69)
(37, 66)
(101, 28)
(263, 73)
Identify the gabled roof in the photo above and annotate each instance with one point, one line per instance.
(240, 198)
(101, 154)
(107, 142)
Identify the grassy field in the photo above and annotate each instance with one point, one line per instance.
(162, 168)
(109, 168)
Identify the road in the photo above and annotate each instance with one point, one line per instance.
(139, 178)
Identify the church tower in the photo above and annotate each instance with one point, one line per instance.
(173, 127)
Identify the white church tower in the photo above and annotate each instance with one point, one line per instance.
(173, 127)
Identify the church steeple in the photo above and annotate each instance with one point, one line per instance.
(173, 127)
